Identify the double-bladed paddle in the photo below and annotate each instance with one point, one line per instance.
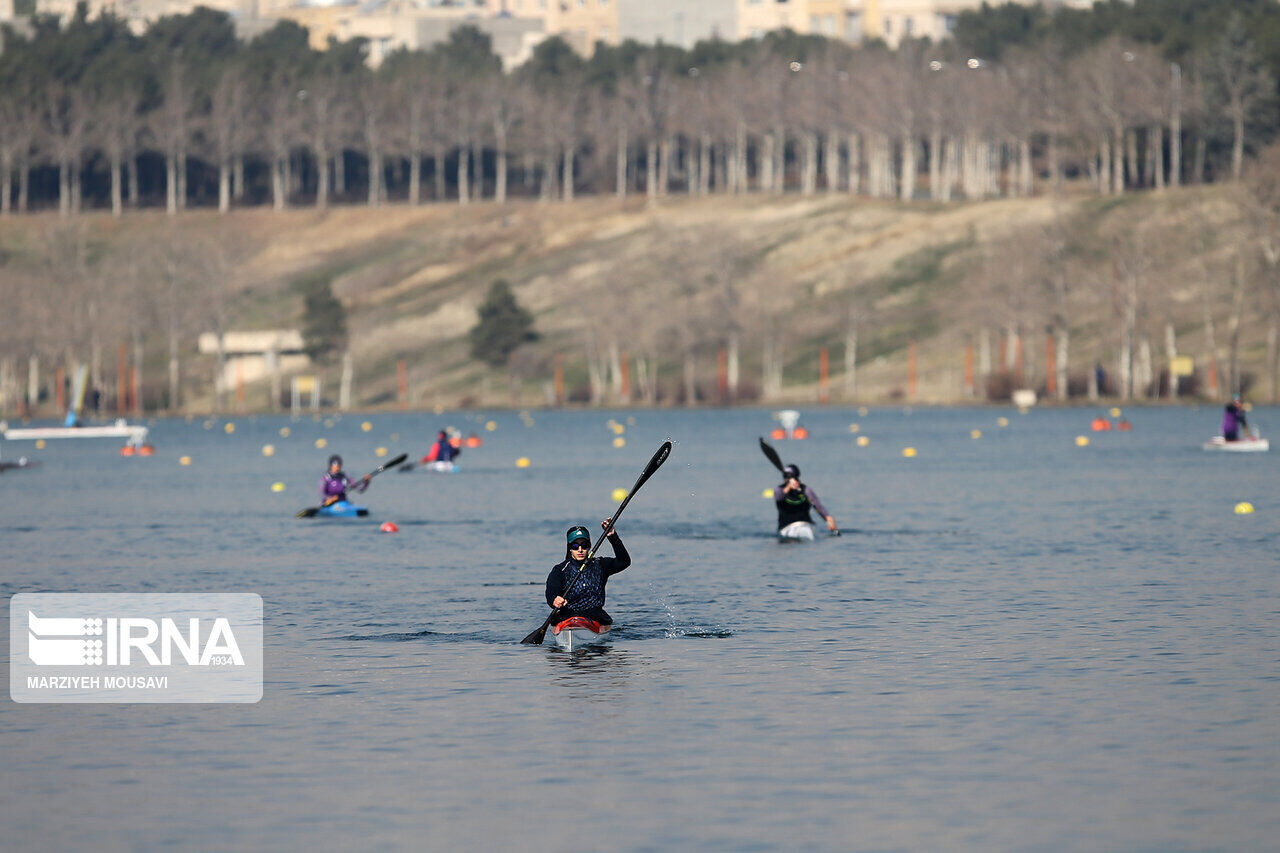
(655, 463)
(310, 511)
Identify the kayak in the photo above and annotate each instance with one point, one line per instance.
(796, 531)
(441, 467)
(578, 631)
(1248, 444)
(342, 509)
(23, 462)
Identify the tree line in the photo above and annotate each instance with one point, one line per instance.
(1121, 96)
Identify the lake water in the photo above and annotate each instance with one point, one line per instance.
(1017, 644)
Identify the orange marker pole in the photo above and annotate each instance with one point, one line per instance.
(912, 371)
(626, 378)
(823, 376)
(1051, 366)
(136, 395)
(722, 374)
(122, 379)
(968, 370)
(559, 380)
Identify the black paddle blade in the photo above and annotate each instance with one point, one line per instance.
(394, 462)
(309, 512)
(536, 638)
(772, 455)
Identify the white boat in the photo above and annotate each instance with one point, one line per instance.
(134, 434)
(577, 632)
(797, 531)
(1248, 444)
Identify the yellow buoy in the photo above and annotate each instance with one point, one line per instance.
(975, 433)
(184, 460)
(268, 450)
(367, 426)
(39, 444)
(619, 429)
(1082, 441)
(284, 432)
(862, 411)
(229, 427)
(619, 494)
(381, 451)
(908, 452)
(523, 462)
(619, 442)
(854, 427)
(767, 494)
(277, 487)
(1002, 422)
(863, 441)
(1115, 411)
(321, 443)
(1244, 508)
(491, 426)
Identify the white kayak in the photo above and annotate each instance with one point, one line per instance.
(441, 467)
(1248, 444)
(577, 632)
(797, 531)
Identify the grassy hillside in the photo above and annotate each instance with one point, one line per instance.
(677, 280)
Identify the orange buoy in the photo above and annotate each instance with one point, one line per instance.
(146, 450)
(1101, 424)
(474, 441)
(389, 527)
(1124, 426)
(128, 450)
(800, 432)
(778, 434)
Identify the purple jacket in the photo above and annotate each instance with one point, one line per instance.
(1232, 419)
(336, 485)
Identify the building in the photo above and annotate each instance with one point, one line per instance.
(251, 356)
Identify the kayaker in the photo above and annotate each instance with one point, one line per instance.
(1233, 419)
(442, 451)
(334, 484)
(575, 586)
(795, 499)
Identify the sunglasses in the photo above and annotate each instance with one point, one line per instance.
(580, 545)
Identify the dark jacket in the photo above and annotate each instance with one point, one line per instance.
(585, 582)
(795, 506)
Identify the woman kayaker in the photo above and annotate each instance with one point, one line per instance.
(334, 484)
(794, 500)
(575, 587)
(1233, 419)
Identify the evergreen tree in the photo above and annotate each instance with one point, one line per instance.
(324, 320)
(503, 326)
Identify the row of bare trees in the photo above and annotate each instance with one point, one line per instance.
(905, 124)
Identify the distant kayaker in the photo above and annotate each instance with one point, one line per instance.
(795, 499)
(442, 451)
(334, 484)
(575, 587)
(1233, 419)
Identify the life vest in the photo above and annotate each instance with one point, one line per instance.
(585, 587)
(793, 507)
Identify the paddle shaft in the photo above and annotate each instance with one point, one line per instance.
(654, 464)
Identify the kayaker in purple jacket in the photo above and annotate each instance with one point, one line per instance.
(334, 484)
(575, 586)
(1233, 419)
(794, 500)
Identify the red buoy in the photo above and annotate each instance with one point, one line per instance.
(474, 441)
(146, 450)
(778, 434)
(128, 450)
(800, 432)
(389, 527)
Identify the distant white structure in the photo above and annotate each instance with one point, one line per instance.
(251, 356)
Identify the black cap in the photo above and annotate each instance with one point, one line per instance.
(791, 471)
(335, 459)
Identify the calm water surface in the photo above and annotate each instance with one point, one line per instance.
(1017, 644)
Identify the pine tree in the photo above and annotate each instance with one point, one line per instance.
(503, 326)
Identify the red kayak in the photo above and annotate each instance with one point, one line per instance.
(577, 631)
